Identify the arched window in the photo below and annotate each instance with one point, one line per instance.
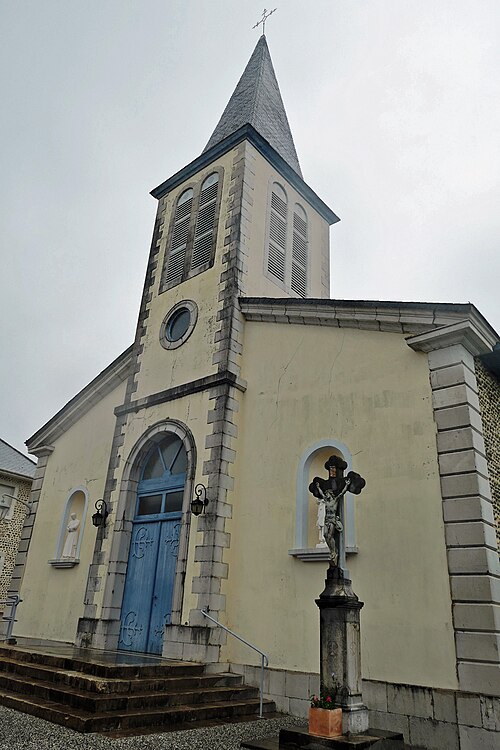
(161, 486)
(205, 223)
(299, 251)
(193, 231)
(179, 241)
(287, 243)
(276, 251)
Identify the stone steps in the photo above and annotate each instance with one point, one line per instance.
(89, 664)
(106, 721)
(120, 693)
(94, 702)
(90, 683)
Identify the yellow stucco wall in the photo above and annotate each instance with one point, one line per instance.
(371, 392)
(53, 598)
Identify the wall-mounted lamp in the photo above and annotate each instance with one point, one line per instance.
(199, 501)
(5, 505)
(99, 517)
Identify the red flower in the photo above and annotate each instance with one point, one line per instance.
(328, 699)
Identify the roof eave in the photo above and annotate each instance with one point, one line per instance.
(16, 475)
(248, 132)
(410, 318)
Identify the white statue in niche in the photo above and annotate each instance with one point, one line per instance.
(320, 522)
(71, 542)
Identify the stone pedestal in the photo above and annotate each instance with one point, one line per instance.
(300, 739)
(340, 649)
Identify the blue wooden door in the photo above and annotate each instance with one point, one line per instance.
(149, 585)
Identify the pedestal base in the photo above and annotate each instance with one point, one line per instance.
(300, 739)
(340, 650)
(355, 720)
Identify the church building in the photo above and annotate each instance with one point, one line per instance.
(245, 376)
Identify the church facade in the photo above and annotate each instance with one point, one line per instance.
(245, 376)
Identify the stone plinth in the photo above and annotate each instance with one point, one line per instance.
(300, 739)
(340, 649)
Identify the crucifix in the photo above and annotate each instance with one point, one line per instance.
(329, 494)
(265, 16)
(340, 640)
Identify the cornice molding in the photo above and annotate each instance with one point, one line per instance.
(182, 390)
(42, 450)
(410, 318)
(470, 334)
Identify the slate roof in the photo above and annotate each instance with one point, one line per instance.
(257, 101)
(14, 462)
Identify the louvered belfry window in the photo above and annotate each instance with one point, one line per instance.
(180, 235)
(298, 281)
(193, 231)
(287, 250)
(205, 222)
(277, 233)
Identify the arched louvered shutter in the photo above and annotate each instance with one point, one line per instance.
(276, 251)
(298, 281)
(205, 223)
(180, 233)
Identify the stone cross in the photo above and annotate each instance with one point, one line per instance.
(329, 495)
(339, 607)
(265, 16)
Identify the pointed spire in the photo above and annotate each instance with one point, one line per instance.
(257, 101)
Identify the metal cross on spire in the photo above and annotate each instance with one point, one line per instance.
(265, 16)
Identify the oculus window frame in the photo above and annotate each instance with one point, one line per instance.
(170, 319)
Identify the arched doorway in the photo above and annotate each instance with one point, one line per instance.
(147, 598)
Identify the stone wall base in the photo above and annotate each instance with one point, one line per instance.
(433, 718)
(289, 690)
(429, 718)
(192, 643)
(100, 634)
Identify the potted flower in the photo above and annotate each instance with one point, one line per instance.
(325, 719)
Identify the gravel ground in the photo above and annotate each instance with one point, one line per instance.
(22, 732)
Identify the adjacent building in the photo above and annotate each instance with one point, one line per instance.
(16, 476)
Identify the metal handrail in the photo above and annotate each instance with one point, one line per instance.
(13, 601)
(264, 660)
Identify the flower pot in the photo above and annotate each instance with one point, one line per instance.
(325, 722)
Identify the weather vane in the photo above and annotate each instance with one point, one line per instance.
(265, 16)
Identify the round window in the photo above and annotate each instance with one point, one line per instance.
(178, 324)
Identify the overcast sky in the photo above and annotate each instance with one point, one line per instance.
(395, 110)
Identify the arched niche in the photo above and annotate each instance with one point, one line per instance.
(76, 503)
(312, 464)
